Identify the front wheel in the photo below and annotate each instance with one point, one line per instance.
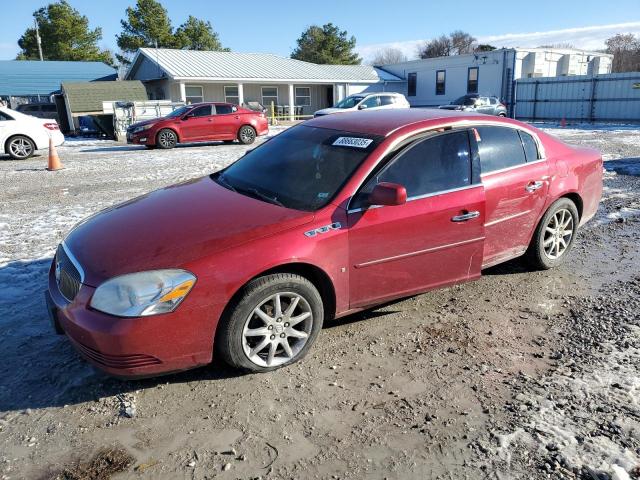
(554, 235)
(20, 147)
(273, 323)
(166, 139)
(246, 135)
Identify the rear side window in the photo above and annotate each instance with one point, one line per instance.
(498, 148)
(428, 166)
(387, 100)
(530, 147)
(223, 109)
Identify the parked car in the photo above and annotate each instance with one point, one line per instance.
(200, 122)
(40, 110)
(478, 104)
(21, 135)
(367, 101)
(332, 216)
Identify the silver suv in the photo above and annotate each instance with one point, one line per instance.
(368, 101)
(479, 104)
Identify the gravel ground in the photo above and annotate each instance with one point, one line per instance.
(518, 375)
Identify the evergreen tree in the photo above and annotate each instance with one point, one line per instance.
(327, 45)
(197, 34)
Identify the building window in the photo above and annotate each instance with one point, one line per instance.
(412, 81)
(269, 96)
(472, 80)
(441, 77)
(193, 94)
(303, 96)
(231, 94)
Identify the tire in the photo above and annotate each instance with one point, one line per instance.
(246, 135)
(20, 147)
(255, 342)
(554, 236)
(166, 139)
(502, 114)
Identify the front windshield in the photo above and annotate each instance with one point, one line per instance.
(302, 168)
(349, 102)
(178, 112)
(464, 100)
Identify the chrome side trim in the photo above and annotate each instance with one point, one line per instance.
(420, 197)
(323, 229)
(419, 252)
(74, 260)
(504, 219)
(506, 169)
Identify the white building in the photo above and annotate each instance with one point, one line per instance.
(437, 81)
(290, 85)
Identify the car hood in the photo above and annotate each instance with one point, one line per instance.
(171, 227)
(144, 122)
(327, 111)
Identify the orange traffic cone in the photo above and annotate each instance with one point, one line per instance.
(54, 159)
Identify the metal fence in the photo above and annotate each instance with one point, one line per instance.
(612, 97)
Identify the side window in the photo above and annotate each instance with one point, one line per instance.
(530, 147)
(387, 100)
(498, 148)
(472, 80)
(430, 165)
(412, 83)
(441, 79)
(372, 102)
(493, 100)
(223, 109)
(4, 117)
(203, 111)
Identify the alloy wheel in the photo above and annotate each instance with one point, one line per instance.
(277, 329)
(247, 135)
(167, 139)
(21, 148)
(558, 234)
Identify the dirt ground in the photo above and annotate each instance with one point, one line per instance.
(521, 374)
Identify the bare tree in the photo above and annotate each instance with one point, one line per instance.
(387, 56)
(456, 43)
(626, 52)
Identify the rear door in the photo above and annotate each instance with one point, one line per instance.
(434, 239)
(516, 182)
(226, 121)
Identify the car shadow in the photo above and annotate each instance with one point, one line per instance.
(624, 166)
(514, 266)
(132, 148)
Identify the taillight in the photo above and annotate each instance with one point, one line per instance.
(51, 126)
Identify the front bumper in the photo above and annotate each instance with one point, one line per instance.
(134, 347)
(142, 138)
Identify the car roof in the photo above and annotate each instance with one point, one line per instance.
(385, 122)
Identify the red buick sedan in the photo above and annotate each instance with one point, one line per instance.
(333, 216)
(200, 122)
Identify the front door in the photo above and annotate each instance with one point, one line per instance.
(436, 238)
(197, 124)
(516, 184)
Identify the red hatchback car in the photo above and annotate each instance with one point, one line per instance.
(200, 122)
(335, 215)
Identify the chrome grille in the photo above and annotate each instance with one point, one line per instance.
(67, 275)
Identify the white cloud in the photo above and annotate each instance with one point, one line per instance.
(587, 38)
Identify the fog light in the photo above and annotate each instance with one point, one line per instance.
(143, 139)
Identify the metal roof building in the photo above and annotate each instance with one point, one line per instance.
(28, 78)
(192, 76)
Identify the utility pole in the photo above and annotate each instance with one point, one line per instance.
(35, 20)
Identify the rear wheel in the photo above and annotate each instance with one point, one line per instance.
(554, 236)
(273, 324)
(246, 135)
(20, 147)
(502, 114)
(166, 139)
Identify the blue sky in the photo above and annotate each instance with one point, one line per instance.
(273, 26)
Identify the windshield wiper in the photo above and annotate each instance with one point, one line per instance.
(225, 183)
(256, 193)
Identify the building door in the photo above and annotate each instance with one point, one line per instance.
(329, 96)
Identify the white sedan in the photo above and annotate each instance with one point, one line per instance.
(21, 135)
(368, 101)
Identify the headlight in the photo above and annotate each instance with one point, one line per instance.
(142, 128)
(144, 293)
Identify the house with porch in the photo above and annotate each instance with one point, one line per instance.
(293, 87)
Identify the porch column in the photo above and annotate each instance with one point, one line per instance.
(240, 94)
(183, 92)
(292, 103)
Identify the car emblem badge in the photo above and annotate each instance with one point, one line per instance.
(325, 229)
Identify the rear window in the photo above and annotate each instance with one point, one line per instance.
(530, 147)
(498, 148)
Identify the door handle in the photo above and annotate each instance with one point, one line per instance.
(465, 216)
(533, 186)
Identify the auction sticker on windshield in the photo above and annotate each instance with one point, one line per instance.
(353, 142)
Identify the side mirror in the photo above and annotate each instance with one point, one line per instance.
(386, 193)
(362, 106)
